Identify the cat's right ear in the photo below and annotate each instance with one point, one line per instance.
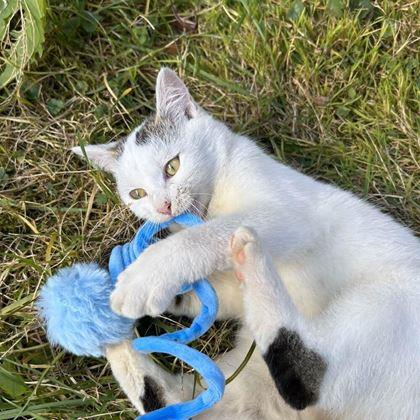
(173, 99)
(104, 156)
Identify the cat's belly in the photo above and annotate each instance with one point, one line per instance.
(309, 288)
(306, 287)
(308, 293)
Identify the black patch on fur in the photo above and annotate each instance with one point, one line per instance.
(152, 399)
(178, 300)
(120, 146)
(142, 135)
(297, 371)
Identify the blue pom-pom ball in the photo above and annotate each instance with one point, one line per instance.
(74, 304)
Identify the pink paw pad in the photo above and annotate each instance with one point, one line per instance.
(237, 254)
(240, 257)
(239, 276)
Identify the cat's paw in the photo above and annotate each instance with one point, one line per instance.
(135, 297)
(128, 298)
(245, 250)
(137, 375)
(142, 289)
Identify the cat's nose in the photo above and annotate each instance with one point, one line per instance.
(165, 208)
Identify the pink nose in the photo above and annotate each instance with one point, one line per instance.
(165, 208)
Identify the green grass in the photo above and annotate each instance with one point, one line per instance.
(323, 86)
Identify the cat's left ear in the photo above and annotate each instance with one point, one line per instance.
(103, 156)
(173, 100)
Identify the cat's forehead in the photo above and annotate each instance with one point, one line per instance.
(155, 128)
(153, 140)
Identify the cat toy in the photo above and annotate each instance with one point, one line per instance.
(74, 304)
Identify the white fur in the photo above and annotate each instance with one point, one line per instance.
(129, 368)
(368, 336)
(349, 273)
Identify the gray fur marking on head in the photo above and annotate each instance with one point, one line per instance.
(155, 127)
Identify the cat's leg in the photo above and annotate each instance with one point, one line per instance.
(251, 396)
(224, 283)
(150, 283)
(147, 385)
(273, 319)
(359, 358)
(227, 290)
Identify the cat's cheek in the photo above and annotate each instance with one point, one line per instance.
(139, 210)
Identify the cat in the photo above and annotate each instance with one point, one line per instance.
(327, 285)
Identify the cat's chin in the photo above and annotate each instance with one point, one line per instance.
(161, 218)
(197, 209)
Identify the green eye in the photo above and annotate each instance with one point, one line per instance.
(138, 193)
(172, 167)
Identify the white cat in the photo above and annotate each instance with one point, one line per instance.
(330, 288)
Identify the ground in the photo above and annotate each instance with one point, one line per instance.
(322, 85)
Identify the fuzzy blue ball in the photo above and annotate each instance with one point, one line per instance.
(74, 304)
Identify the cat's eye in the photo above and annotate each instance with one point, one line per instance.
(172, 167)
(138, 193)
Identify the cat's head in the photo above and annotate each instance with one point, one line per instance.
(167, 165)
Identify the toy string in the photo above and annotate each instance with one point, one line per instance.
(174, 343)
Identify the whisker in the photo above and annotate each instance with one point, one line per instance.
(197, 210)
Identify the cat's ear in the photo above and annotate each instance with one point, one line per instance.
(104, 156)
(173, 100)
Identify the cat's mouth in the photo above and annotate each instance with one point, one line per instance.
(187, 203)
(191, 209)
(162, 218)
(178, 207)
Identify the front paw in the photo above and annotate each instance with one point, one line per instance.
(128, 299)
(138, 294)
